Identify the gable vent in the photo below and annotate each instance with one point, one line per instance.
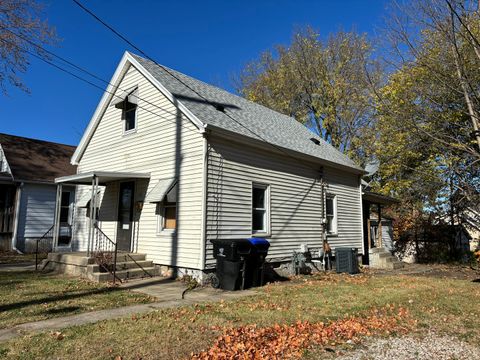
(315, 141)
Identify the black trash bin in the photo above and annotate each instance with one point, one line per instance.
(256, 261)
(231, 256)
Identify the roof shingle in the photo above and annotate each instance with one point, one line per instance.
(247, 118)
(36, 160)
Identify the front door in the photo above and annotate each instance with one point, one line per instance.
(125, 216)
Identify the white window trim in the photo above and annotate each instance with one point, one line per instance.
(267, 231)
(124, 124)
(161, 230)
(335, 214)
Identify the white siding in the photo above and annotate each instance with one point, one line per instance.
(3, 162)
(346, 187)
(165, 144)
(295, 199)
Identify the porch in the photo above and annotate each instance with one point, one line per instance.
(104, 236)
(377, 254)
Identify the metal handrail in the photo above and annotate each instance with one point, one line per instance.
(43, 238)
(104, 244)
(140, 266)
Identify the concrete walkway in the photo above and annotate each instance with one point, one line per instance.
(167, 292)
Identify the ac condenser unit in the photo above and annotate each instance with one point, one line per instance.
(346, 260)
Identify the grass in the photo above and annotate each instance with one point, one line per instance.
(447, 305)
(11, 257)
(29, 296)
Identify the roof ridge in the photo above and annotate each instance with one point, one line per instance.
(291, 133)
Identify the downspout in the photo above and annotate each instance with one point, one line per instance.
(18, 198)
(204, 202)
(361, 215)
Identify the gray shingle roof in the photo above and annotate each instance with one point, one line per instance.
(249, 119)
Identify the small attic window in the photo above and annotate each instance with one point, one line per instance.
(127, 102)
(315, 141)
(129, 115)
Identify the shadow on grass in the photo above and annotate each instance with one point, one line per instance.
(63, 310)
(63, 295)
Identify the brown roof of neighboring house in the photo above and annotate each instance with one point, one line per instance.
(36, 160)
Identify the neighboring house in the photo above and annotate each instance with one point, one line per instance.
(170, 163)
(28, 168)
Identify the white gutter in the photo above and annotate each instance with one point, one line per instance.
(18, 199)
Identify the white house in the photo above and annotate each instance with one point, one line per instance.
(169, 163)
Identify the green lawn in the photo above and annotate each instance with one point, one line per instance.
(448, 305)
(30, 296)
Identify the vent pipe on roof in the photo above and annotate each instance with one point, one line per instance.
(315, 141)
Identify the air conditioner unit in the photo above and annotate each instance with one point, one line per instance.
(346, 260)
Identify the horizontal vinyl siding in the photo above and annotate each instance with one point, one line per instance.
(349, 216)
(295, 199)
(37, 211)
(165, 144)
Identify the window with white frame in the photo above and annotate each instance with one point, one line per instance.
(167, 211)
(260, 209)
(129, 115)
(331, 214)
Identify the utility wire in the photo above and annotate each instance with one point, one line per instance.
(82, 69)
(118, 34)
(90, 83)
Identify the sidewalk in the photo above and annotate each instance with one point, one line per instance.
(168, 293)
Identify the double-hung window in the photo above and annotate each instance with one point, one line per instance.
(129, 116)
(260, 209)
(331, 214)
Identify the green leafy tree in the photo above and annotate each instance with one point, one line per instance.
(325, 84)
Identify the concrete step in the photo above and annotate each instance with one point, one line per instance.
(78, 259)
(123, 274)
(93, 268)
(126, 257)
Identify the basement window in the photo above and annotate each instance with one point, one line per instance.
(260, 209)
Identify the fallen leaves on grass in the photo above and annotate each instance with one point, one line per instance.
(290, 341)
(57, 335)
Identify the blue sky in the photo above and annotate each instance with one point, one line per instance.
(209, 40)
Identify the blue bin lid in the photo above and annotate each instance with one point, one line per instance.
(259, 241)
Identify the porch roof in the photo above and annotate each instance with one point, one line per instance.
(102, 176)
(376, 198)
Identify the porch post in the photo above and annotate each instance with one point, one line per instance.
(380, 225)
(90, 219)
(56, 221)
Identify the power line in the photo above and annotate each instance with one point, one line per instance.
(91, 83)
(112, 29)
(117, 33)
(82, 69)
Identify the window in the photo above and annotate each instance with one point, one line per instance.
(129, 115)
(167, 211)
(167, 216)
(331, 214)
(260, 209)
(65, 207)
